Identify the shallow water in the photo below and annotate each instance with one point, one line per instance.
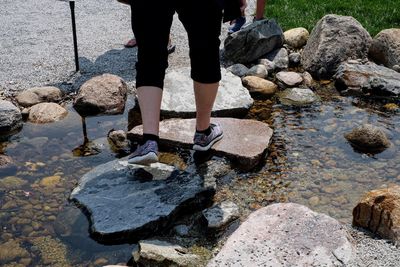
(310, 162)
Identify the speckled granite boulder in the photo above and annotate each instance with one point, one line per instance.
(105, 94)
(286, 235)
(385, 48)
(333, 40)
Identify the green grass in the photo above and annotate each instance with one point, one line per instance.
(374, 15)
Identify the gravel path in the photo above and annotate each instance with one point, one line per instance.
(37, 48)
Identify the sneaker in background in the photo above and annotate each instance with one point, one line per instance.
(203, 142)
(239, 22)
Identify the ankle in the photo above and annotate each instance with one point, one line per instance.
(150, 137)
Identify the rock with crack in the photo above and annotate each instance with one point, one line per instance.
(287, 235)
(244, 141)
(131, 202)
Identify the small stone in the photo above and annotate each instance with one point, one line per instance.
(297, 97)
(280, 58)
(391, 107)
(182, 230)
(118, 140)
(289, 78)
(46, 113)
(294, 59)
(269, 65)
(50, 181)
(11, 251)
(368, 138)
(308, 79)
(259, 86)
(313, 201)
(258, 70)
(220, 215)
(396, 68)
(12, 182)
(100, 262)
(161, 253)
(296, 37)
(38, 95)
(238, 69)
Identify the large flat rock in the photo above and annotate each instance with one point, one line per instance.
(130, 202)
(244, 140)
(286, 235)
(178, 96)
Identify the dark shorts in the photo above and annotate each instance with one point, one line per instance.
(151, 23)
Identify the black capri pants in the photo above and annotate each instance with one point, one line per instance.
(151, 24)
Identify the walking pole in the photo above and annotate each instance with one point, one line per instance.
(72, 6)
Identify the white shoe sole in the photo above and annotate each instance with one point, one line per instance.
(147, 159)
(205, 148)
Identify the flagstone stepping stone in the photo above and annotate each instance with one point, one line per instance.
(178, 96)
(128, 202)
(287, 234)
(245, 141)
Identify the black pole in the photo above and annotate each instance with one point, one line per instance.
(72, 6)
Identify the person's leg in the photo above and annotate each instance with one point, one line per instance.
(150, 70)
(260, 9)
(204, 54)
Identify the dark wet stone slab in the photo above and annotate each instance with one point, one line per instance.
(130, 202)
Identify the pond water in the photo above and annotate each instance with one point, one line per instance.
(309, 162)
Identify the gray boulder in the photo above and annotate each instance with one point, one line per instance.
(279, 58)
(258, 70)
(334, 40)
(238, 69)
(367, 78)
(368, 138)
(105, 94)
(178, 96)
(287, 235)
(297, 97)
(38, 95)
(10, 117)
(156, 253)
(253, 41)
(385, 48)
(132, 202)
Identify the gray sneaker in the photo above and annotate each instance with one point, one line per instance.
(203, 142)
(145, 154)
